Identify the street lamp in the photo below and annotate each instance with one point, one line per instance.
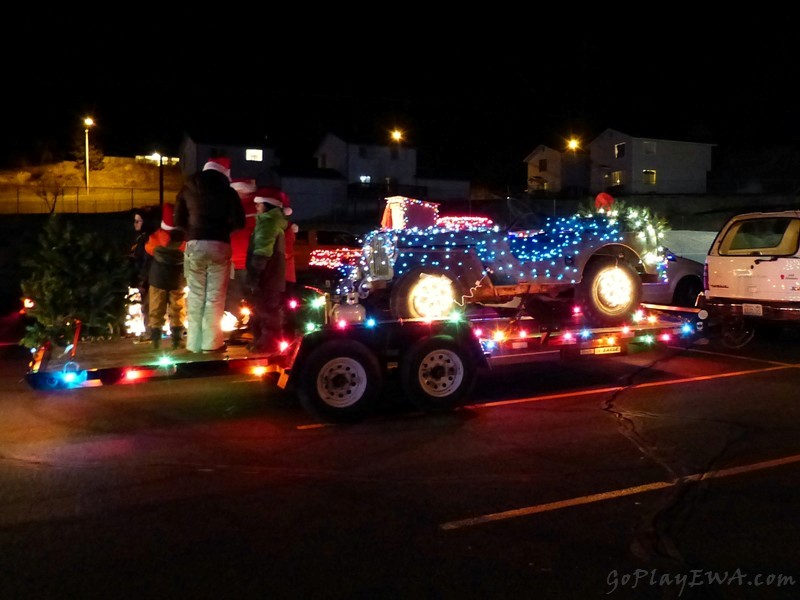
(87, 122)
(160, 158)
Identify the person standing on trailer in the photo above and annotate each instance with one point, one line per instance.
(208, 209)
(266, 269)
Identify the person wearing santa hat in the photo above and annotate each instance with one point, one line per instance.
(208, 209)
(266, 269)
(166, 246)
(290, 235)
(246, 188)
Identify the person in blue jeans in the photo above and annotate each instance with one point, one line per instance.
(208, 209)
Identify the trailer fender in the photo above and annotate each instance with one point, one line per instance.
(339, 381)
(438, 373)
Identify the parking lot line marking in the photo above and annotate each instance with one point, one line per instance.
(615, 388)
(639, 489)
(709, 377)
(748, 358)
(618, 388)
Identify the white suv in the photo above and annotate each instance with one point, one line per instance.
(752, 273)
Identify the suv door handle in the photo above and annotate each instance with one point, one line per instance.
(758, 261)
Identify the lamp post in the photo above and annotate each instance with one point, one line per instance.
(87, 122)
(160, 158)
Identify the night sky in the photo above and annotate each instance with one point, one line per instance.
(473, 108)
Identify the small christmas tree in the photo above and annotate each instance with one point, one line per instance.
(74, 277)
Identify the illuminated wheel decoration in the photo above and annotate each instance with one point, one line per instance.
(609, 293)
(438, 373)
(421, 295)
(340, 381)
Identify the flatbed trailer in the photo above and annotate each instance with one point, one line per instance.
(338, 370)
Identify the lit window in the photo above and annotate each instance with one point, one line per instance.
(616, 178)
(619, 150)
(365, 179)
(254, 154)
(649, 147)
(649, 176)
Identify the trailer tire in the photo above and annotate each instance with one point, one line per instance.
(438, 374)
(339, 382)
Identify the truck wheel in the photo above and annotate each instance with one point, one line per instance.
(686, 291)
(423, 294)
(438, 374)
(339, 382)
(609, 293)
(737, 332)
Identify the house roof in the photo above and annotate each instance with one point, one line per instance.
(215, 134)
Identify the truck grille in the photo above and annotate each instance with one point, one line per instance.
(379, 251)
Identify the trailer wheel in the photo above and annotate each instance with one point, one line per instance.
(609, 292)
(339, 382)
(438, 374)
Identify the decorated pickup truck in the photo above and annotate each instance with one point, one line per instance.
(420, 265)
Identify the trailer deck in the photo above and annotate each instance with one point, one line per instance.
(502, 340)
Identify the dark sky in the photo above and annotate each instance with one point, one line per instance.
(473, 107)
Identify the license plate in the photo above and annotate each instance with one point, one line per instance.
(752, 310)
(602, 350)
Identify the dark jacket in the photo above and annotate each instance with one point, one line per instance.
(166, 268)
(140, 261)
(208, 208)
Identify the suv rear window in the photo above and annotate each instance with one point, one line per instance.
(775, 236)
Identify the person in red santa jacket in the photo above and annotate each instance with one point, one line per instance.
(167, 282)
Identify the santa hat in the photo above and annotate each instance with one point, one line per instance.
(249, 206)
(221, 164)
(274, 197)
(244, 186)
(168, 217)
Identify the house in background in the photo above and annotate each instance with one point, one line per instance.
(553, 172)
(622, 164)
(390, 170)
(349, 182)
(251, 157)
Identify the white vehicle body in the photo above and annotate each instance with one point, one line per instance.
(753, 268)
(685, 252)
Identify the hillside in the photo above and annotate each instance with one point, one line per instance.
(117, 172)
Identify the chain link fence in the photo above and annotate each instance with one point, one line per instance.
(24, 199)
